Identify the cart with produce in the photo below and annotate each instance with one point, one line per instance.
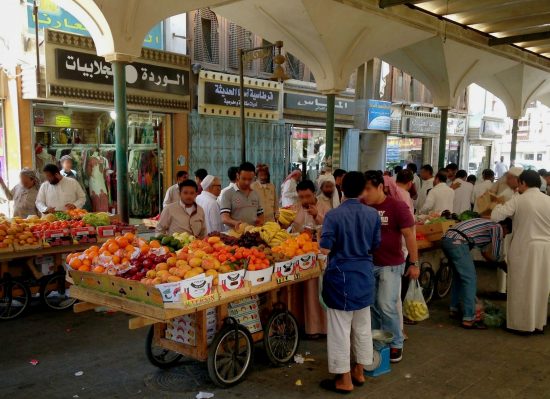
(32, 253)
(211, 300)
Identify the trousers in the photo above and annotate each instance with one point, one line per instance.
(349, 339)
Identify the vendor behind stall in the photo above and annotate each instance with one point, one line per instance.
(23, 194)
(67, 170)
(59, 193)
(184, 215)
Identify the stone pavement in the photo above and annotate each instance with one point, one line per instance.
(441, 360)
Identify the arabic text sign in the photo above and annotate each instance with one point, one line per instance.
(85, 67)
(379, 115)
(229, 96)
(313, 103)
(54, 17)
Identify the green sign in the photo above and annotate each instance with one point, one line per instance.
(50, 15)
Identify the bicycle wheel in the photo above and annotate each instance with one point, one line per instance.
(160, 357)
(443, 279)
(281, 337)
(230, 355)
(427, 281)
(15, 297)
(55, 292)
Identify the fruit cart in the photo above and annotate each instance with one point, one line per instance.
(225, 344)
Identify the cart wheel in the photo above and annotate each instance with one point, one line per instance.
(160, 357)
(230, 355)
(427, 281)
(281, 337)
(444, 279)
(15, 297)
(55, 292)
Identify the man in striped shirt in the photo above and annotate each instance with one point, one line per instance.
(456, 244)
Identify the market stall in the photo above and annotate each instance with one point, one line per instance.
(32, 253)
(208, 299)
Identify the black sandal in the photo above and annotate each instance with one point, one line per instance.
(476, 325)
(357, 383)
(330, 385)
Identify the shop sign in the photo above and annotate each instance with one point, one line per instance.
(456, 126)
(86, 67)
(63, 121)
(51, 16)
(422, 125)
(491, 128)
(379, 115)
(313, 103)
(219, 94)
(216, 93)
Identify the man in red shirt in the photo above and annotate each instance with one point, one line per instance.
(389, 260)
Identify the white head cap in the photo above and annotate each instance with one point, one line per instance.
(207, 181)
(516, 171)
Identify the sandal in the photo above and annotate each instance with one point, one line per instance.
(476, 325)
(330, 385)
(357, 383)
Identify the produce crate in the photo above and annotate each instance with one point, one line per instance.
(27, 247)
(9, 248)
(54, 238)
(424, 244)
(434, 232)
(117, 286)
(105, 232)
(84, 235)
(121, 229)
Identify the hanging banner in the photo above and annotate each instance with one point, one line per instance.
(51, 16)
(379, 115)
(219, 94)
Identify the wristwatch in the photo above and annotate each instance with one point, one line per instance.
(409, 263)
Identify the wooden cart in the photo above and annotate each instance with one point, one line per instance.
(230, 354)
(16, 290)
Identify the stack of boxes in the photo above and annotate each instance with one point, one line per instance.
(247, 312)
(183, 329)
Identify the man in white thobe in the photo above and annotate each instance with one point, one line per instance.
(528, 266)
(59, 193)
(427, 183)
(173, 192)
(207, 200)
(463, 193)
(500, 168)
(480, 188)
(440, 198)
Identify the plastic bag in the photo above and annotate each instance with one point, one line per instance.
(414, 305)
(321, 300)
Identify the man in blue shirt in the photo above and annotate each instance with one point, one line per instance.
(350, 233)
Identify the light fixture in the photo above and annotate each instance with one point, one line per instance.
(279, 74)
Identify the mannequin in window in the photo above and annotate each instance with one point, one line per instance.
(96, 169)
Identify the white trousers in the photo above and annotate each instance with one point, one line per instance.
(349, 339)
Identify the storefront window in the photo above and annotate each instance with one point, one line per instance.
(307, 150)
(88, 136)
(401, 151)
(452, 155)
(479, 157)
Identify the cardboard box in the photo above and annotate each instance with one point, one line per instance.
(231, 281)
(306, 261)
(106, 232)
(196, 287)
(84, 235)
(258, 277)
(54, 238)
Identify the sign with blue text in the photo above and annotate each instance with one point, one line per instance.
(51, 16)
(379, 115)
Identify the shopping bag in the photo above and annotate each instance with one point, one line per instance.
(321, 300)
(414, 305)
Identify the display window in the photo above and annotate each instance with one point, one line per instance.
(402, 151)
(308, 149)
(452, 155)
(88, 137)
(479, 158)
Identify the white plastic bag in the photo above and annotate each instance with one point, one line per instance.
(414, 305)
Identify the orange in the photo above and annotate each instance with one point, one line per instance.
(144, 248)
(107, 253)
(122, 242)
(84, 268)
(109, 242)
(99, 269)
(129, 236)
(75, 263)
(86, 262)
(129, 248)
(166, 250)
(116, 259)
(125, 261)
(154, 244)
(112, 248)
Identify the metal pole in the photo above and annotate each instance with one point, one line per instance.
(121, 139)
(241, 105)
(443, 138)
(515, 128)
(331, 98)
(37, 45)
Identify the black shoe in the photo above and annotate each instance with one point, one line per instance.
(518, 332)
(396, 355)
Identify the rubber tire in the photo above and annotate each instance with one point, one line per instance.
(272, 358)
(428, 287)
(27, 293)
(442, 288)
(149, 352)
(227, 329)
(44, 283)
